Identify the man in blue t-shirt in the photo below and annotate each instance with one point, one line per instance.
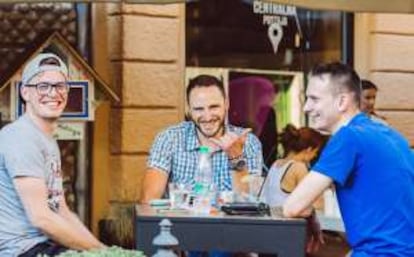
(370, 164)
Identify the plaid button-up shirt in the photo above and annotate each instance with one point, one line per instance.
(175, 151)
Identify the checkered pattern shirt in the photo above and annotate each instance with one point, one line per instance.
(175, 151)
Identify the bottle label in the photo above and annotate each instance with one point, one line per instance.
(200, 189)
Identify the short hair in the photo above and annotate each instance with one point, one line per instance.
(366, 84)
(204, 81)
(343, 75)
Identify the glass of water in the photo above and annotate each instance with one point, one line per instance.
(256, 179)
(179, 195)
(255, 184)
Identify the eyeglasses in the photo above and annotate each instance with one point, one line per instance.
(44, 88)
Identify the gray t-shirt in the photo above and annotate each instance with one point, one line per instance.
(25, 151)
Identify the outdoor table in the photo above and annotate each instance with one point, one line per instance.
(261, 234)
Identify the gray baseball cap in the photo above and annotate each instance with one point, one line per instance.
(35, 66)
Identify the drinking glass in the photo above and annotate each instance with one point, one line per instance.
(255, 179)
(179, 195)
(255, 184)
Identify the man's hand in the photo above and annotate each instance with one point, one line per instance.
(231, 143)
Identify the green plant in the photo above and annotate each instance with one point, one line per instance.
(117, 227)
(113, 251)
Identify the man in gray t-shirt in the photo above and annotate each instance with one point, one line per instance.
(34, 216)
(25, 152)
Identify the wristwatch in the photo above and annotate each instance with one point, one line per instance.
(238, 163)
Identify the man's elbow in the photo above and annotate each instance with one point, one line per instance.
(149, 194)
(145, 199)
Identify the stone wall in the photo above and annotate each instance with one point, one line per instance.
(384, 53)
(141, 50)
(148, 57)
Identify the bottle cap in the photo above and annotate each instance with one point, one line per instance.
(204, 149)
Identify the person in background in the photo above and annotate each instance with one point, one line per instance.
(34, 216)
(368, 97)
(371, 165)
(301, 146)
(174, 154)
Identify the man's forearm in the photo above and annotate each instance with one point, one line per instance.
(66, 231)
(299, 202)
(60, 228)
(80, 227)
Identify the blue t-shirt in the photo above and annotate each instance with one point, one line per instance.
(373, 170)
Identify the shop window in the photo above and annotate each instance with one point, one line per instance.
(243, 34)
(256, 44)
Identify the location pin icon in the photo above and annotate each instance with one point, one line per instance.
(275, 34)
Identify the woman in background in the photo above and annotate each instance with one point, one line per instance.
(368, 98)
(300, 146)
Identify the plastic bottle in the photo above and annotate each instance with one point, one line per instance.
(204, 190)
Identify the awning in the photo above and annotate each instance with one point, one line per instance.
(384, 6)
(394, 6)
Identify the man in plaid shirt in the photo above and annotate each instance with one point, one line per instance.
(174, 153)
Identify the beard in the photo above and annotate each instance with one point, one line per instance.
(213, 133)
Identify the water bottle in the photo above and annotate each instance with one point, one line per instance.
(204, 193)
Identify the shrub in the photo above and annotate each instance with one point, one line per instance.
(113, 251)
